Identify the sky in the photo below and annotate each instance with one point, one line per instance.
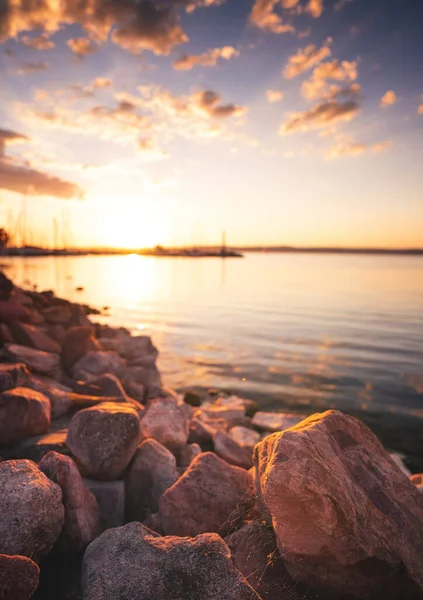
(283, 122)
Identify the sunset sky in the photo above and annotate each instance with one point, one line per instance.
(131, 124)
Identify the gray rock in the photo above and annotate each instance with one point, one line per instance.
(151, 473)
(211, 496)
(110, 496)
(133, 562)
(44, 363)
(31, 510)
(167, 421)
(82, 515)
(23, 413)
(103, 439)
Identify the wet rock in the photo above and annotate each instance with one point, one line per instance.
(82, 516)
(77, 342)
(93, 364)
(103, 439)
(31, 510)
(272, 421)
(58, 314)
(34, 337)
(151, 473)
(344, 514)
(19, 577)
(134, 562)
(11, 311)
(255, 553)
(14, 375)
(187, 454)
(167, 421)
(206, 497)
(44, 363)
(110, 497)
(245, 437)
(232, 452)
(23, 413)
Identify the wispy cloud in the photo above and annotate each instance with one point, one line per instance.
(306, 58)
(350, 148)
(274, 96)
(317, 85)
(41, 42)
(32, 67)
(321, 115)
(263, 15)
(206, 59)
(82, 46)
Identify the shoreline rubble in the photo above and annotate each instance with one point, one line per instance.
(113, 486)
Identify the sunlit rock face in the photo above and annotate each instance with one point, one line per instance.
(19, 577)
(346, 518)
(134, 562)
(23, 413)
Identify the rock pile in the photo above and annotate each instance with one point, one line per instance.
(113, 487)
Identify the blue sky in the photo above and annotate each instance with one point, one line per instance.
(292, 122)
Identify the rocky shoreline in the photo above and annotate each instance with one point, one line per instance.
(114, 487)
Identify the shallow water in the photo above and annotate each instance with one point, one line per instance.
(292, 330)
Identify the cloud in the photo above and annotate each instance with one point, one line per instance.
(306, 58)
(263, 15)
(321, 115)
(137, 25)
(207, 59)
(101, 82)
(21, 178)
(41, 42)
(82, 46)
(388, 99)
(355, 149)
(315, 8)
(340, 5)
(32, 67)
(336, 70)
(274, 96)
(210, 103)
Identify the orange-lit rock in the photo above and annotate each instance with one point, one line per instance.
(23, 413)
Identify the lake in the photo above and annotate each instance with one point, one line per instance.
(301, 332)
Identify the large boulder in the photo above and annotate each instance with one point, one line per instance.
(344, 514)
(103, 439)
(44, 363)
(77, 342)
(13, 375)
(110, 497)
(82, 516)
(167, 421)
(29, 335)
(31, 510)
(227, 448)
(94, 364)
(19, 577)
(211, 496)
(254, 552)
(152, 472)
(23, 413)
(134, 562)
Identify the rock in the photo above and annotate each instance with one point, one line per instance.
(57, 333)
(149, 377)
(58, 394)
(34, 448)
(15, 375)
(82, 516)
(6, 336)
(34, 337)
(192, 398)
(138, 350)
(246, 438)
(19, 577)
(167, 421)
(31, 510)
(133, 562)
(229, 449)
(254, 552)
(97, 363)
(23, 413)
(154, 523)
(59, 314)
(6, 287)
(107, 385)
(110, 497)
(417, 480)
(272, 421)
(187, 454)
(103, 439)
(137, 391)
(201, 433)
(11, 311)
(398, 460)
(225, 412)
(77, 342)
(152, 472)
(44, 363)
(205, 498)
(345, 516)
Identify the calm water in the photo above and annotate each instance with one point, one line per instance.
(290, 330)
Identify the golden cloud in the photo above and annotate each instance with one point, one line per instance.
(336, 70)
(388, 99)
(321, 115)
(355, 149)
(82, 46)
(274, 96)
(207, 59)
(306, 58)
(263, 15)
(41, 42)
(315, 8)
